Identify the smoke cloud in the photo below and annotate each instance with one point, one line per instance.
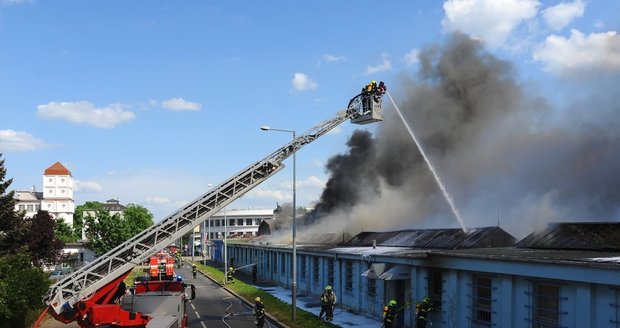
(504, 154)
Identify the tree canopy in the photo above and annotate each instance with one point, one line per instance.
(105, 231)
(22, 285)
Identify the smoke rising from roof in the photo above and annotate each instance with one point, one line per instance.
(502, 151)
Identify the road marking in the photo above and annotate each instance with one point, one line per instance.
(197, 314)
(193, 307)
(203, 324)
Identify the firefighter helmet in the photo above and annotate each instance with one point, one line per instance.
(257, 299)
(328, 287)
(426, 300)
(393, 303)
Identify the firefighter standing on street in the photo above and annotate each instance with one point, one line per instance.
(194, 270)
(229, 275)
(390, 312)
(422, 311)
(328, 300)
(259, 312)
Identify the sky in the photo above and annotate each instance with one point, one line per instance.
(154, 102)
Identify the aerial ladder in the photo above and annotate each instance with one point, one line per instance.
(88, 293)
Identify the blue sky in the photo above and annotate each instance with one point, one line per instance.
(151, 102)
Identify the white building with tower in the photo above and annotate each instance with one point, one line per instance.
(56, 198)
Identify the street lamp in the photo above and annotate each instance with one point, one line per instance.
(294, 283)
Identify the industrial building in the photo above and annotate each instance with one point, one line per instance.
(565, 276)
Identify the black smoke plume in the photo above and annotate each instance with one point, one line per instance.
(505, 155)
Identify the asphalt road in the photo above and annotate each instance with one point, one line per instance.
(213, 307)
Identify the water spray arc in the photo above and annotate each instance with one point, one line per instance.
(430, 166)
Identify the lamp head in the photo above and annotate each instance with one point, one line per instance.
(265, 128)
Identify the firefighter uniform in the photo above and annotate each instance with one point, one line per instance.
(259, 312)
(423, 309)
(328, 300)
(390, 312)
(229, 275)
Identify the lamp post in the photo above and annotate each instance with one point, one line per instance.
(294, 283)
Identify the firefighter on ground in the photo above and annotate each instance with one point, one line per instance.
(328, 300)
(390, 312)
(194, 270)
(229, 275)
(422, 311)
(259, 312)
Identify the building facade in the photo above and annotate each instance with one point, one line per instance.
(56, 198)
(572, 282)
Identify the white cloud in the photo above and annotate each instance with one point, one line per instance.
(580, 53)
(14, 2)
(312, 182)
(599, 24)
(87, 186)
(558, 17)
(83, 112)
(271, 194)
(301, 81)
(385, 65)
(179, 104)
(411, 58)
(157, 200)
(490, 20)
(19, 141)
(333, 58)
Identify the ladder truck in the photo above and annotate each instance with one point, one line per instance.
(90, 295)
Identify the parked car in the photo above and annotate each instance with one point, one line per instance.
(58, 275)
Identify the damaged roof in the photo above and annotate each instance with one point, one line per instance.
(604, 236)
(437, 238)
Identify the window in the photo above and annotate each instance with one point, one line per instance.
(257, 221)
(481, 303)
(64, 205)
(49, 205)
(36, 207)
(62, 191)
(62, 180)
(435, 287)
(22, 207)
(248, 222)
(348, 275)
(330, 272)
(30, 207)
(315, 270)
(546, 305)
(274, 261)
(282, 263)
(49, 180)
(51, 191)
(239, 222)
(372, 288)
(217, 223)
(210, 223)
(302, 265)
(231, 222)
(615, 307)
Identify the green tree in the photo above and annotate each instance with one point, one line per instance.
(137, 218)
(22, 288)
(11, 223)
(105, 231)
(65, 232)
(43, 246)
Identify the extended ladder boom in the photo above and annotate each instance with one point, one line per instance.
(84, 283)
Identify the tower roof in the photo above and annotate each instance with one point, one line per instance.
(57, 169)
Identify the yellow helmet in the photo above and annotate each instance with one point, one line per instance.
(328, 288)
(257, 299)
(373, 82)
(393, 302)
